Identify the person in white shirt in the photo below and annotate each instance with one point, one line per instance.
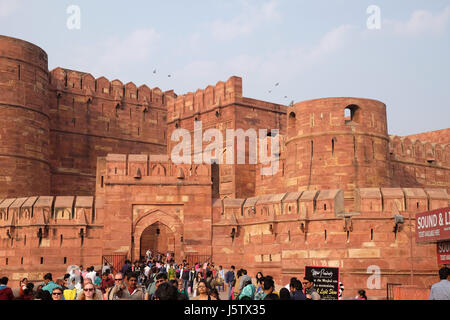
(91, 274)
(147, 270)
(441, 289)
(181, 271)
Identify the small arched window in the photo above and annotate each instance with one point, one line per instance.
(352, 114)
(292, 122)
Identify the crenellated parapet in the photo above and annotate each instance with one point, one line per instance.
(203, 100)
(405, 149)
(90, 118)
(329, 203)
(285, 206)
(388, 201)
(44, 234)
(419, 163)
(436, 136)
(43, 214)
(151, 169)
(107, 109)
(84, 84)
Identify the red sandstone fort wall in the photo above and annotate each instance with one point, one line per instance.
(341, 179)
(419, 164)
(327, 149)
(281, 233)
(222, 107)
(211, 107)
(178, 196)
(93, 117)
(438, 136)
(24, 120)
(274, 182)
(46, 234)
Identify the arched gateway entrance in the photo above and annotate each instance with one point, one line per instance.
(158, 238)
(158, 231)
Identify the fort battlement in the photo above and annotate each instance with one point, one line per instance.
(101, 149)
(323, 204)
(419, 152)
(84, 84)
(437, 136)
(149, 169)
(46, 211)
(34, 228)
(285, 232)
(212, 97)
(417, 163)
(79, 103)
(94, 117)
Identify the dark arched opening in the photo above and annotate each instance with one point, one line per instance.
(352, 114)
(159, 238)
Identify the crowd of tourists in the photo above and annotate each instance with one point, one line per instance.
(158, 278)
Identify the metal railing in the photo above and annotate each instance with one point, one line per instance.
(200, 258)
(390, 290)
(115, 261)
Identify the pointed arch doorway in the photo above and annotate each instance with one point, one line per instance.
(157, 237)
(145, 234)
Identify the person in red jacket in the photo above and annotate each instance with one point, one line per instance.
(5, 292)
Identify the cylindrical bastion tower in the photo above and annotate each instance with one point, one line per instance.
(337, 143)
(24, 119)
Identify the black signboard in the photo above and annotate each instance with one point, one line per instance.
(326, 281)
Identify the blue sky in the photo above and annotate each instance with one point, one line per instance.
(314, 49)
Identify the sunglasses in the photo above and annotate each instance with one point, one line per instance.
(89, 289)
(56, 293)
(118, 279)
